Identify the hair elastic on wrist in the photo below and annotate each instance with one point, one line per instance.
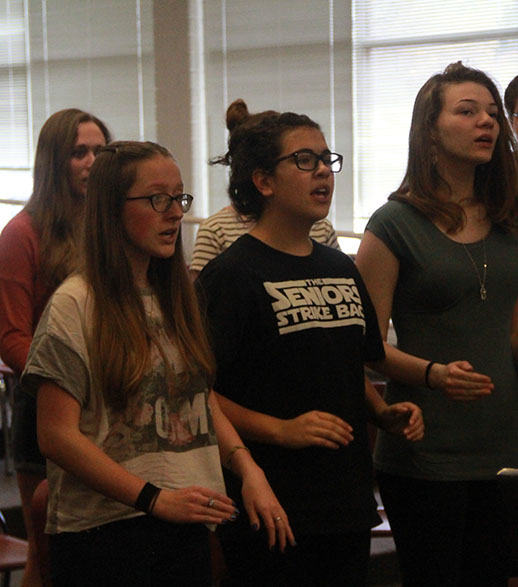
(147, 498)
(228, 462)
(427, 374)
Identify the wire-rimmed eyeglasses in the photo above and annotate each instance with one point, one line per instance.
(307, 160)
(162, 202)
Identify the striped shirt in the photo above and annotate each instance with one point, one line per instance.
(220, 230)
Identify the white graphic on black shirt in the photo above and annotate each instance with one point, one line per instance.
(316, 303)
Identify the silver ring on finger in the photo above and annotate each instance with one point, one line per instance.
(277, 519)
(210, 502)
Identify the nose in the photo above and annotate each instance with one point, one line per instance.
(487, 120)
(89, 159)
(322, 168)
(175, 212)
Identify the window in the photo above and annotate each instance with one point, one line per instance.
(397, 46)
(354, 66)
(95, 55)
(281, 56)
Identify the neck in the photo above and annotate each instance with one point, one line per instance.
(288, 237)
(459, 182)
(139, 269)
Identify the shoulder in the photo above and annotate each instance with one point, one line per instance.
(230, 259)
(19, 246)
(19, 228)
(395, 215)
(68, 302)
(392, 209)
(223, 218)
(335, 257)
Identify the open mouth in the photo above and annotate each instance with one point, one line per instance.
(169, 233)
(322, 192)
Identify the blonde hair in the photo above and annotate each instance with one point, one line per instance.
(56, 212)
(121, 339)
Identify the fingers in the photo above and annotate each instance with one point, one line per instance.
(405, 418)
(467, 394)
(218, 507)
(324, 429)
(279, 532)
(195, 505)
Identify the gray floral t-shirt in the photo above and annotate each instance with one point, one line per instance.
(167, 439)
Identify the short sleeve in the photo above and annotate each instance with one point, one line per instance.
(58, 350)
(222, 294)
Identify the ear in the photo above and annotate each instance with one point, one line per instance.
(263, 182)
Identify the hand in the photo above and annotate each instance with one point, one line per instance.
(260, 503)
(458, 381)
(315, 429)
(405, 419)
(194, 505)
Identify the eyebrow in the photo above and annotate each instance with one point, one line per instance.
(472, 101)
(160, 186)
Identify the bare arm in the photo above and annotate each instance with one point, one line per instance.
(258, 497)
(380, 269)
(313, 428)
(61, 441)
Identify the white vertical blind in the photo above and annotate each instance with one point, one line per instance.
(284, 56)
(14, 140)
(397, 46)
(96, 55)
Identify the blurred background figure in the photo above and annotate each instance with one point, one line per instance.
(39, 247)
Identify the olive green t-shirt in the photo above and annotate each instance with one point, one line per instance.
(439, 315)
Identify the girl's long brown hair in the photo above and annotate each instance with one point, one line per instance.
(496, 182)
(121, 339)
(56, 212)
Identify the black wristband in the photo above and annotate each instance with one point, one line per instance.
(147, 498)
(427, 374)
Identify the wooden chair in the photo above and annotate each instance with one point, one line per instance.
(13, 553)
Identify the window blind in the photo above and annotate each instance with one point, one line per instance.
(280, 56)
(397, 46)
(96, 55)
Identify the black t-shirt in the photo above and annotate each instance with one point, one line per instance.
(291, 334)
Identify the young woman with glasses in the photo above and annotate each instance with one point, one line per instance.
(122, 371)
(219, 231)
(291, 326)
(440, 259)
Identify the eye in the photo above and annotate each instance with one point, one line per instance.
(466, 112)
(159, 199)
(79, 152)
(329, 158)
(306, 158)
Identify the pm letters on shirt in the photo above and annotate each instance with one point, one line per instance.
(316, 303)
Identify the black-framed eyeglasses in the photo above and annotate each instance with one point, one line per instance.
(307, 160)
(162, 202)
